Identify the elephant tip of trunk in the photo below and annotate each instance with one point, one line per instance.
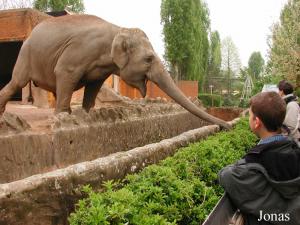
(225, 126)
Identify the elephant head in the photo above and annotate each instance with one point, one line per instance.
(134, 55)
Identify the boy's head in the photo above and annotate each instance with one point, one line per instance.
(267, 113)
(285, 88)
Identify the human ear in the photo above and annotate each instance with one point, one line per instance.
(257, 123)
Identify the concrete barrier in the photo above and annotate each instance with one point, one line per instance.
(86, 136)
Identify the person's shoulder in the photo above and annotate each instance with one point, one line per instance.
(293, 104)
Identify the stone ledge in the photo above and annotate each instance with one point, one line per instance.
(78, 138)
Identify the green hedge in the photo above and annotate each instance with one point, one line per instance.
(181, 189)
(209, 100)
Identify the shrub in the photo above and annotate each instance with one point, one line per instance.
(181, 189)
(209, 100)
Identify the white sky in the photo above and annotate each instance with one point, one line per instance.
(247, 22)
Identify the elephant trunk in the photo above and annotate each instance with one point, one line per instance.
(166, 83)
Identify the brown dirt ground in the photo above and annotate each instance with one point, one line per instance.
(37, 118)
(41, 119)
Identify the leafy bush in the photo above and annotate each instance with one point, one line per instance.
(181, 189)
(259, 83)
(209, 100)
(297, 92)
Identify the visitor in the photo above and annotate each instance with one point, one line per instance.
(265, 184)
(291, 121)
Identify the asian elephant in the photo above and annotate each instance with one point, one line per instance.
(65, 53)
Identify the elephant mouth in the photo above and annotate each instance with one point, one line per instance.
(140, 84)
(143, 88)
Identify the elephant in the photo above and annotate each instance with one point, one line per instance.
(63, 54)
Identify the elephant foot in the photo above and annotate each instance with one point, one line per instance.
(63, 111)
(66, 120)
(225, 126)
(11, 123)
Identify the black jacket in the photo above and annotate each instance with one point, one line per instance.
(266, 180)
(281, 159)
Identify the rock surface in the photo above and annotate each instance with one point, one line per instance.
(11, 124)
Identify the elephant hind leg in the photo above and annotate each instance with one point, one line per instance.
(7, 92)
(12, 87)
(20, 78)
(90, 93)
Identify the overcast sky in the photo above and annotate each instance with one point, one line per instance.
(247, 22)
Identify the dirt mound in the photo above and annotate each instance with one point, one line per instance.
(11, 124)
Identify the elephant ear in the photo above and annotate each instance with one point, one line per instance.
(120, 49)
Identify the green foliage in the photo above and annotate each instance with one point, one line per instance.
(181, 189)
(231, 62)
(297, 92)
(259, 83)
(59, 5)
(255, 65)
(244, 71)
(215, 58)
(231, 101)
(186, 25)
(285, 44)
(209, 100)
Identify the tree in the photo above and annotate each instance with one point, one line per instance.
(186, 25)
(59, 5)
(285, 44)
(215, 57)
(231, 62)
(13, 4)
(255, 65)
(214, 60)
(244, 71)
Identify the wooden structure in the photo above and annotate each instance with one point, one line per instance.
(15, 27)
(189, 88)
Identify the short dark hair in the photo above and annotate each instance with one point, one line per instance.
(280, 84)
(286, 87)
(270, 108)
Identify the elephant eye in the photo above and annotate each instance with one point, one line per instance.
(148, 59)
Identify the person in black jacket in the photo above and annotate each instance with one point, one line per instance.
(265, 183)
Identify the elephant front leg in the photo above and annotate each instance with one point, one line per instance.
(63, 99)
(90, 93)
(64, 90)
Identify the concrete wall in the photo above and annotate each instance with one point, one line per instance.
(82, 137)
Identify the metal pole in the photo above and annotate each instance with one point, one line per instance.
(211, 92)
